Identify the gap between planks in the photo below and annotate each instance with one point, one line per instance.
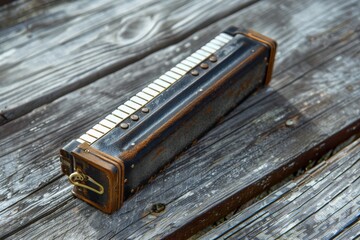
(315, 148)
(335, 55)
(23, 93)
(265, 218)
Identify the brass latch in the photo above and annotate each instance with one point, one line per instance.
(76, 178)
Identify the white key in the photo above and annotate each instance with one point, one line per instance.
(210, 50)
(212, 42)
(145, 96)
(178, 71)
(101, 128)
(203, 53)
(80, 140)
(120, 114)
(156, 87)
(217, 42)
(88, 138)
(132, 105)
(138, 100)
(194, 60)
(107, 123)
(113, 119)
(150, 92)
(198, 56)
(162, 83)
(226, 36)
(94, 133)
(202, 49)
(167, 78)
(126, 109)
(222, 39)
(173, 75)
(212, 45)
(184, 67)
(188, 63)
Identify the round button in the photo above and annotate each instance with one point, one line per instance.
(124, 125)
(213, 58)
(204, 66)
(195, 72)
(145, 110)
(134, 117)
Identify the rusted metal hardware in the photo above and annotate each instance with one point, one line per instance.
(79, 179)
(120, 154)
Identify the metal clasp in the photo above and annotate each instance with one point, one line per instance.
(75, 178)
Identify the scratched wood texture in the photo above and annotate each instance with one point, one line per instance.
(323, 203)
(315, 84)
(70, 45)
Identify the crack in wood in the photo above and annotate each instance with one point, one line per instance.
(16, 109)
(260, 123)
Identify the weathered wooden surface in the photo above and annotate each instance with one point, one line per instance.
(75, 43)
(316, 84)
(324, 203)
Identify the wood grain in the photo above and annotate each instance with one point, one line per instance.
(20, 11)
(323, 203)
(201, 179)
(45, 130)
(75, 43)
(305, 88)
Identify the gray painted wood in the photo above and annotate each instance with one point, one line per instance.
(323, 203)
(185, 193)
(69, 116)
(22, 11)
(36, 200)
(70, 45)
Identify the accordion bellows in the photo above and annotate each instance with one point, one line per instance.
(117, 156)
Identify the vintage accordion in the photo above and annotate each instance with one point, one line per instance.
(112, 160)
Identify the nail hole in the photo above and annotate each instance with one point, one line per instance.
(289, 123)
(158, 207)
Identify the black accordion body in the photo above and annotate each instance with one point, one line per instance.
(124, 150)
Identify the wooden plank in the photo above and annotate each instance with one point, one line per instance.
(185, 195)
(75, 43)
(260, 163)
(19, 11)
(53, 125)
(4, 2)
(70, 115)
(323, 203)
(350, 232)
